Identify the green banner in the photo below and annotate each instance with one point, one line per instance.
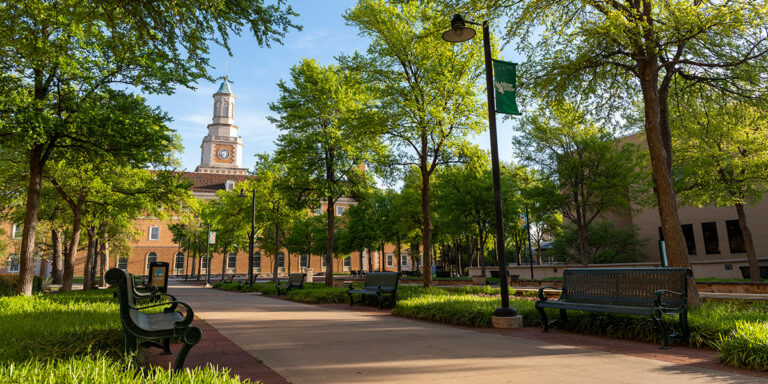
(212, 237)
(505, 84)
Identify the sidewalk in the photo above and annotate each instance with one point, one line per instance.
(317, 344)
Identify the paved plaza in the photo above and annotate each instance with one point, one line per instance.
(322, 344)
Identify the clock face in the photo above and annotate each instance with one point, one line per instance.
(223, 154)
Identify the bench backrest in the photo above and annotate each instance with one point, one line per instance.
(125, 288)
(296, 279)
(624, 286)
(386, 279)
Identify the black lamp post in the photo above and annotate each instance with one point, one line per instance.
(253, 233)
(457, 34)
(207, 255)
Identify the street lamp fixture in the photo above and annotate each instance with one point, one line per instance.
(253, 233)
(458, 33)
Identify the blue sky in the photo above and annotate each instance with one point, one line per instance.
(254, 72)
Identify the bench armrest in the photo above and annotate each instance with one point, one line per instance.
(541, 294)
(657, 297)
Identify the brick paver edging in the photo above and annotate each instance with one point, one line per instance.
(218, 350)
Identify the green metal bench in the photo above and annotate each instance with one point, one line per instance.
(153, 327)
(653, 292)
(295, 281)
(376, 284)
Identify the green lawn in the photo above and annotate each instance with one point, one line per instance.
(73, 338)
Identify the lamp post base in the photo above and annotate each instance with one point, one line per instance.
(507, 321)
(505, 312)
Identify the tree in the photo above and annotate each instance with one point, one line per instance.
(607, 244)
(81, 49)
(607, 53)
(585, 170)
(428, 90)
(330, 130)
(722, 148)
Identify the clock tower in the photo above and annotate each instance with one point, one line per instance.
(222, 149)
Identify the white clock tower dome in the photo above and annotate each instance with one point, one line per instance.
(222, 149)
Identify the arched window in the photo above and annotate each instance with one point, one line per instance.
(257, 262)
(230, 185)
(232, 261)
(151, 258)
(122, 263)
(216, 108)
(226, 108)
(179, 263)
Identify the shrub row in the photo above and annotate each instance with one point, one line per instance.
(8, 284)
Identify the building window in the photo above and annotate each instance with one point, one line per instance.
(257, 262)
(154, 233)
(390, 259)
(122, 263)
(179, 263)
(711, 243)
(403, 260)
(339, 210)
(230, 185)
(232, 261)
(203, 262)
(347, 262)
(323, 263)
(735, 237)
(319, 211)
(13, 264)
(280, 261)
(690, 241)
(16, 230)
(304, 261)
(151, 258)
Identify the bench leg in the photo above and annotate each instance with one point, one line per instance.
(131, 343)
(564, 316)
(381, 303)
(657, 317)
(166, 347)
(351, 299)
(191, 337)
(544, 319)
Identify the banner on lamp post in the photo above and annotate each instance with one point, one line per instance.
(505, 86)
(212, 238)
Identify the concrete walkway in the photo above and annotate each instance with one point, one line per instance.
(314, 344)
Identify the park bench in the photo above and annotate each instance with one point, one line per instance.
(145, 291)
(376, 284)
(231, 278)
(295, 281)
(153, 327)
(653, 292)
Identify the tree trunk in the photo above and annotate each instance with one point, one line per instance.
(397, 251)
(426, 230)
(583, 245)
(27, 256)
(275, 278)
(224, 257)
(660, 160)
(194, 258)
(95, 263)
(362, 262)
(104, 259)
(69, 257)
(56, 238)
(382, 257)
(329, 242)
(754, 269)
(480, 252)
(89, 256)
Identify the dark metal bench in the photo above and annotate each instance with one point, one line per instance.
(295, 281)
(376, 284)
(653, 292)
(229, 279)
(153, 327)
